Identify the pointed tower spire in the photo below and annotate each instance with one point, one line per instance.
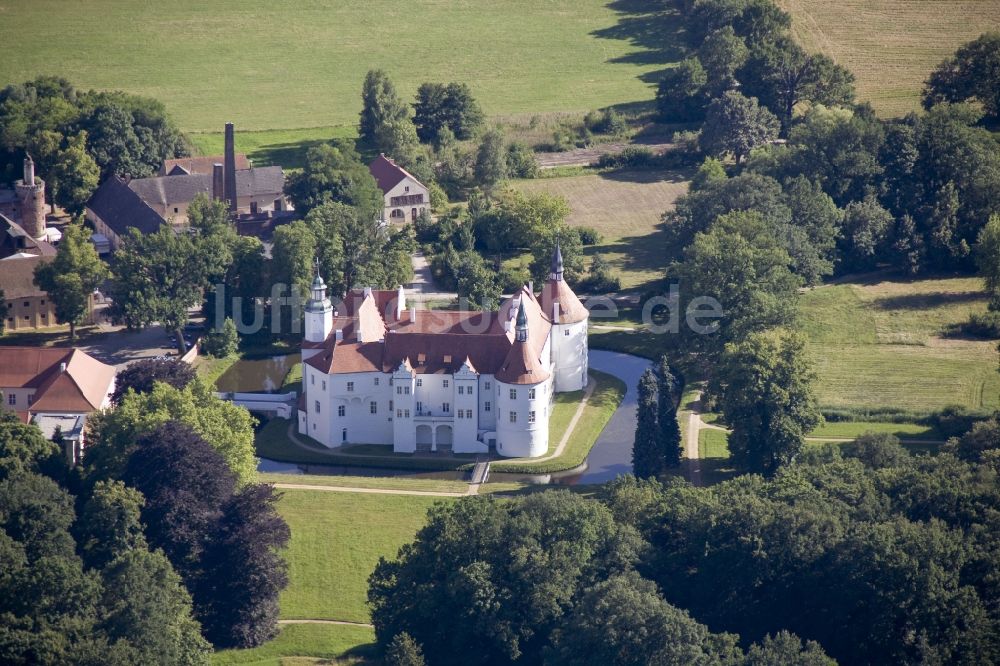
(521, 324)
(557, 265)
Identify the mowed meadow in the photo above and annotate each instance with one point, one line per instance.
(280, 64)
(890, 45)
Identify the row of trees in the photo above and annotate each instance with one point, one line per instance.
(870, 555)
(658, 447)
(79, 138)
(160, 546)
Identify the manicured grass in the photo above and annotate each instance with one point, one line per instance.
(210, 368)
(289, 64)
(857, 428)
(314, 641)
(603, 402)
(337, 539)
(293, 380)
(890, 45)
(386, 482)
(626, 208)
(884, 344)
(713, 443)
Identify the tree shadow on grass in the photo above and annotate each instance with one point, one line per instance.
(290, 155)
(928, 301)
(657, 32)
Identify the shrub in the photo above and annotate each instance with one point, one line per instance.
(600, 278)
(632, 157)
(222, 342)
(521, 161)
(983, 325)
(589, 235)
(608, 121)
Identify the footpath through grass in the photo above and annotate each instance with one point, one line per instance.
(310, 642)
(337, 539)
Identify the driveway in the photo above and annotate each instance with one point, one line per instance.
(612, 453)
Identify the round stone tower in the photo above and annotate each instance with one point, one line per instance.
(31, 197)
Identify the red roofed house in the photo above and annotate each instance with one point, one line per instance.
(377, 372)
(55, 387)
(405, 196)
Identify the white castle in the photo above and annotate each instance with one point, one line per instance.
(435, 380)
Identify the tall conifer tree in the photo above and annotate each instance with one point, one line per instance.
(647, 458)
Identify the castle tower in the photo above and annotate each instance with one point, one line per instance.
(319, 312)
(523, 398)
(569, 320)
(31, 197)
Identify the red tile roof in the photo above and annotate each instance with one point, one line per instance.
(388, 174)
(83, 386)
(571, 310)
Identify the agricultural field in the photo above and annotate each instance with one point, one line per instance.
(285, 64)
(625, 207)
(890, 45)
(885, 344)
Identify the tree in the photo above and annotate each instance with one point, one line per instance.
(623, 621)
(222, 342)
(511, 220)
(491, 160)
(292, 255)
(867, 229)
(972, 73)
(542, 249)
(721, 54)
(146, 605)
(157, 277)
(505, 572)
(666, 408)
(781, 74)
(385, 119)
(243, 570)
(647, 454)
(736, 124)
(988, 259)
(787, 649)
(140, 376)
(404, 651)
(227, 427)
(110, 523)
(709, 173)
(476, 282)
(813, 231)
(439, 106)
(23, 448)
(680, 95)
(742, 265)
(72, 276)
(334, 172)
(73, 175)
(767, 399)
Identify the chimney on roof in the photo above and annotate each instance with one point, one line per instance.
(531, 286)
(218, 182)
(62, 367)
(340, 335)
(367, 292)
(230, 157)
(413, 315)
(400, 302)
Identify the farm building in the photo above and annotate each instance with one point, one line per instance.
(405, 197)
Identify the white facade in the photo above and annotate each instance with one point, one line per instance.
(406, 201)
(422, 404)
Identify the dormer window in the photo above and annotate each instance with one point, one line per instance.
(421, 359)
(447, 358)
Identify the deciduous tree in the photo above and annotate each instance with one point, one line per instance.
(71, 278)
(973, 73)
(735, 125)
(451, 106)
(385, 118)
(140, 376)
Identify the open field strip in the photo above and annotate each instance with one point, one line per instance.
(626, 208)
(305, 643)
(351, 482)
(288, 64)
(890, 45)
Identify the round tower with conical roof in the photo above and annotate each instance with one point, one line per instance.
(524, 394)
(319, 312)
(31, 200)
(569, 318)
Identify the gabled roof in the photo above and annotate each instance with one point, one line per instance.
(82, 387)
(17, 276)
(388, 174)
(121, 209)
(170, 190)
(202, 164)
(15, 240)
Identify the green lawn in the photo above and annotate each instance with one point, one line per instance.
(885, 344)
(286, 147)
(626, 208)
(291, 64)
(857, 428)
(603, 402)
(384, 482)
(713, 443)
(337, 539)
(312, 641)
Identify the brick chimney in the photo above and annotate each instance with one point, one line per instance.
(218, 182)
(230, 179)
